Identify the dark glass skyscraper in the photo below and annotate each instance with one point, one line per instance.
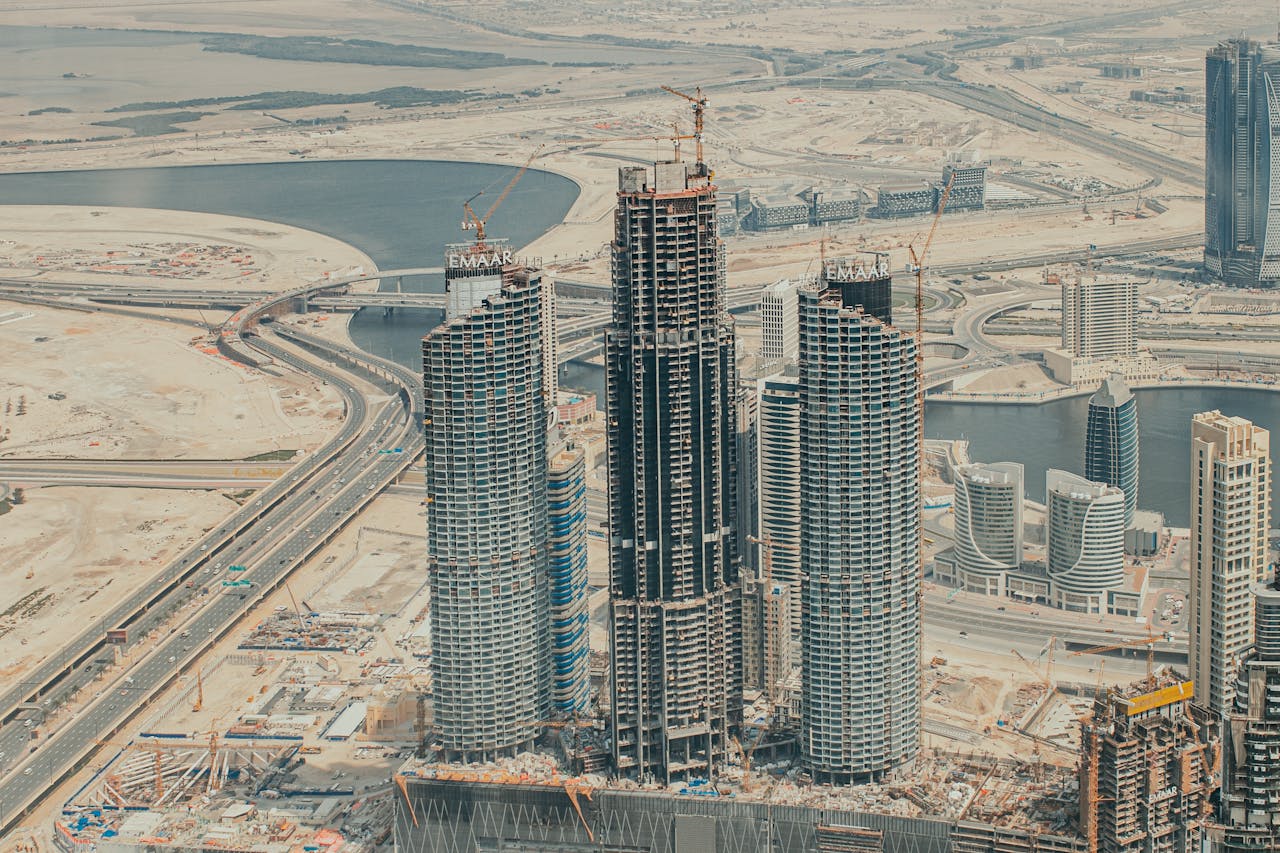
(675, 612)
(1241, 196)
(1111, 442)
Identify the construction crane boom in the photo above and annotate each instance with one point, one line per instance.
(1148, 641)
(472, 221)
(917, 260)
(699, 102)
(766, 548)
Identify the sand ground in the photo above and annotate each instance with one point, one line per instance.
(85, 549)
(164, 248)
(98, 386)
(101, 386)
(355, 562)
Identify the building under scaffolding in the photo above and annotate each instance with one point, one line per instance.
(1147, 772)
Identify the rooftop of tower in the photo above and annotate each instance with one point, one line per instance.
(665, 177)
(1112, 393)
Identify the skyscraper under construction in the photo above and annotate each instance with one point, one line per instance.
(675, 614)
(859, 527)
(486, 478)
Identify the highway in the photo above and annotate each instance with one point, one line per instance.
(29, 473)
(305, 510)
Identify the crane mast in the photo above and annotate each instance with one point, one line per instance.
(472, 221)
(699, 102)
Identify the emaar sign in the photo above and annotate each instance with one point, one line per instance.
(479, 260)
(846, 269)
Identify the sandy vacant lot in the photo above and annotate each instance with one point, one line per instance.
(164, 248)
(86, 548)
(101, 386)
(89, 386)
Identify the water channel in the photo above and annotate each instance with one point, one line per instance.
(401, 212)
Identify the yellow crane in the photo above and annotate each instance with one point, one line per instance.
(746, 758)
(699, 102)
(1033, 669)
(917, 264)
(477, 223)
(1149, 641)
(917, 261)
(572, 788)
(195, 709)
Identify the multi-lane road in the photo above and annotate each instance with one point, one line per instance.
(289, 521)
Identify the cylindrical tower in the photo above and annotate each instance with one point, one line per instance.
(1084, 541)
(860, 536)
(486, 478)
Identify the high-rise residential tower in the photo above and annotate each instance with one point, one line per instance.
(1146, 772)
(778, 479)
(988, 511)
(486, 483)
(567, 572)
(1251, 773)
(779, 322)
(1084, 541)
(675, 612)
(1230, 515)
(859, 528)
(1099, 317)
(1242, 195)
(1111, 441)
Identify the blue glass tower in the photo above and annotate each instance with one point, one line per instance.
(1111, 443)
(567, 571)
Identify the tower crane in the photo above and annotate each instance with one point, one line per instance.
(766, 552)
(917, 265)
(699, 102)
(477, 223)
(1148, 641)
(917, 261)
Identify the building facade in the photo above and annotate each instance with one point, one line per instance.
(1084, 541)
(747, 523)
(778, 467)
(1146, 772)
(670, 380)
(567, 573)
(859, 531)
(968, 181)
(1099, 317)
(1251, 772)
(779, 322)
(988, 525)
(1230, 517)
(1242, 196)
(486, 486)
(1111, 441)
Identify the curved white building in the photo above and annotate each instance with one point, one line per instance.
(1084, 541)
(988, 508)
